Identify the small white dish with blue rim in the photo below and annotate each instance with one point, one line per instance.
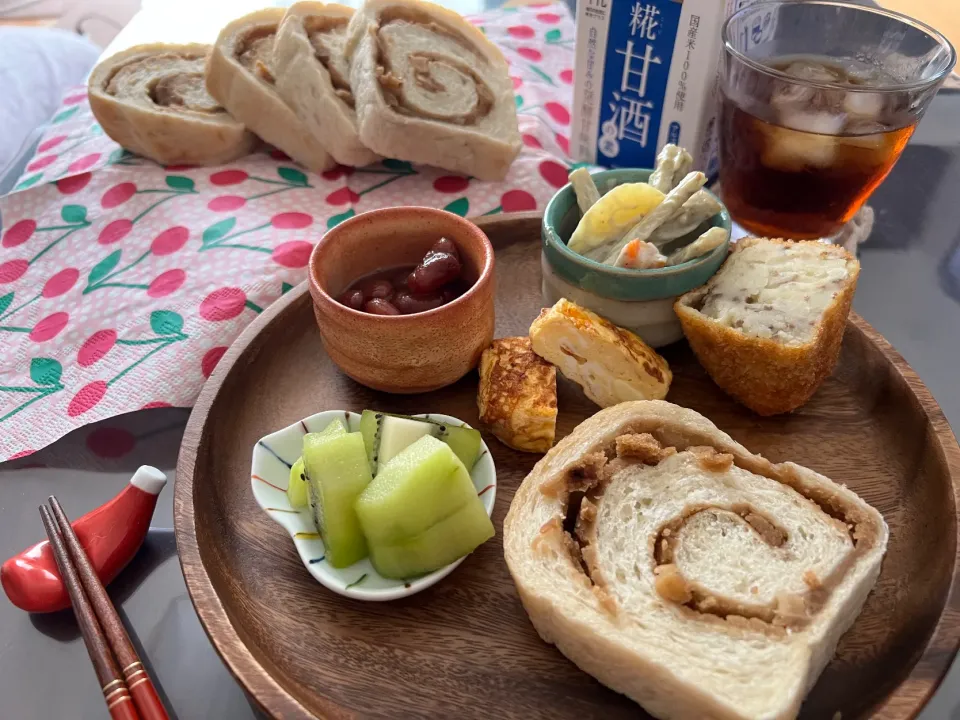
(272, 457)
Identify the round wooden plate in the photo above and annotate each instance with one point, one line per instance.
(465, 648)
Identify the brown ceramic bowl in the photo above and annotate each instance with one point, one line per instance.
(402, 353)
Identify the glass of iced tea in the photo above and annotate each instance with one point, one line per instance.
(817, 101)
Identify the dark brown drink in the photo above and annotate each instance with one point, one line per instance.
(799, 160)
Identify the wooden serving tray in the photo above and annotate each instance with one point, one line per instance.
(465, 648)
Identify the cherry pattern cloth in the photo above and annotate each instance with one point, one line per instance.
(123, 282)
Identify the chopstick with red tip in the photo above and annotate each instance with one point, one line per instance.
(140, 686)
(115, 692)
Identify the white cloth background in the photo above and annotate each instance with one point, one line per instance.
(36, 66)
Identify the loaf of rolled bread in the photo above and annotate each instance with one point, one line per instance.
(430, 88)
(151, 99)
(679, 569)
(313, 77)
(240, 76)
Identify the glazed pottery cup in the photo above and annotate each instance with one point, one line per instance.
(638, 300)
(402, 353)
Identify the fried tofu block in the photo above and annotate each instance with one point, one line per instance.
(611, 364)
(517, 397)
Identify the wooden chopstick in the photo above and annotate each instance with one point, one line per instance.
(115, 691)
(141, 687)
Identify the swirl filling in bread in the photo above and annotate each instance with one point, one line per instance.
(152, 99)
(255, 52)
(708, 537)
(430, 88)
(244, 75)
(426, 69)
(312, 73)
(328, 36)
(165, 79)
(685, 572)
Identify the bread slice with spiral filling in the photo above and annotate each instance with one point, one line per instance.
(151, 99)
(681, 570)
(313, 77)
(430, 88)
(240, 76)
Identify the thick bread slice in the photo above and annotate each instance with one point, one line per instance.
(768, 325)
(240, 76)
(313, 77)
(430, 88)
(151, 99)
(702, 581)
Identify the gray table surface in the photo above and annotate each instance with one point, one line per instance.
(909, 289)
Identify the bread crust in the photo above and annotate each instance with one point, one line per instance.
(167, 135)
(254, 101)
(621, 649)
(305, 84)
(765, 375)
(485, 151)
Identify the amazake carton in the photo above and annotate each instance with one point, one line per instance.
(646, 75)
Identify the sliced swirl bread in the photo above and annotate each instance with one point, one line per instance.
(313, 77)
(430, 88)
(768, 325)
(151, 99)
(240, 76)
(679, 569)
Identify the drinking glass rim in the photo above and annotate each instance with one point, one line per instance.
(779, 74)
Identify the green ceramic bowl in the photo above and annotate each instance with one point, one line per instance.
(640, 300)
(560, 219)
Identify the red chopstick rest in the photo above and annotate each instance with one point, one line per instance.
(111, 535)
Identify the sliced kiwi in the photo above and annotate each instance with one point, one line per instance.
(370, 431)
(387, 434)
(297, 487)
(463, 440)
(338, 472)
(421, 511)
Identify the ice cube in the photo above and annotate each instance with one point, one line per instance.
(786, 96)
(822, 123)
(793, 151)
(813, 71)
(862, 74)
(866, 133)
(868, 105)
(864, 126)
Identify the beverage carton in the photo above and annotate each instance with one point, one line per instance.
(646, 75)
